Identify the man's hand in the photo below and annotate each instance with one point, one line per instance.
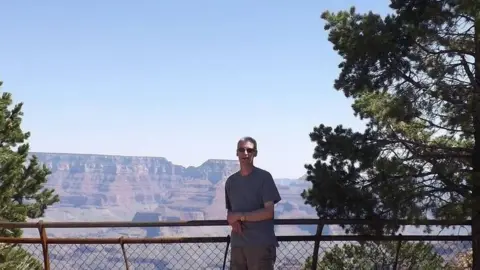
(232, 218)
(234, 221)
(237, 227)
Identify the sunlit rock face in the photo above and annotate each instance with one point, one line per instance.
(113, 188)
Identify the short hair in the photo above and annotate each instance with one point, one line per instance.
(250, 140)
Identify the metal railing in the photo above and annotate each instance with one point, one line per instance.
(207, 252)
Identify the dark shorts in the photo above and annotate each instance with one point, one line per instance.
(253, 258)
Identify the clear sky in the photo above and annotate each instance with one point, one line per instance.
(178, 79)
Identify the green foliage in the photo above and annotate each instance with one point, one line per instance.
(462, 261)
(15, 258)
(411, 77)
(380, 255)
(22, 179)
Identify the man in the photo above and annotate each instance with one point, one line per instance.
(250, 196)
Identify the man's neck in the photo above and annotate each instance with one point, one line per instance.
(246, 170)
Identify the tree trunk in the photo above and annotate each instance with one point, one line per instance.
(476, 151)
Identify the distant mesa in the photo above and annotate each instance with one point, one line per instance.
(148, 217)
(213, 170)
(154, 217)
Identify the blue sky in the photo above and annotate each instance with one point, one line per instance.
(178, 79)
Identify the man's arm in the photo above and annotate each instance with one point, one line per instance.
(265, 213)
(236, 226)
(228, 206)
(270, 197)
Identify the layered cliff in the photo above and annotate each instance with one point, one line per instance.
(104, 181)
(107, 187)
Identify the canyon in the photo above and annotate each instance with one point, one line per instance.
(96, 188)
(125, 188)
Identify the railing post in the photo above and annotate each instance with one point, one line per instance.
(226, 252)
(44, 240)
(316, 246)
(399, 245)
(122, 246)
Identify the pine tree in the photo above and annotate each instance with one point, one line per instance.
(22, 179)
(414, 76)
(380, 255)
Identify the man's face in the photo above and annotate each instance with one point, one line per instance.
(246, 152)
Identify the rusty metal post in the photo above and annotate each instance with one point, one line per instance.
(399, 245)
(226, 252)
(122, 246)
(44, 241)
(316, 246)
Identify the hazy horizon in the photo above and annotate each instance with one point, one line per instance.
(183, 165)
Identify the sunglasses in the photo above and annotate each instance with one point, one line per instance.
(248, 150)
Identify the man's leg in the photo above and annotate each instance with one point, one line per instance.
(238, 260)
(261, 258)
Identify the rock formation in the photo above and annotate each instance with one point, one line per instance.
(107, 187)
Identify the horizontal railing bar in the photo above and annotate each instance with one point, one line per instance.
(293, 238)
(198, 223)
(283, 238)
(20, 240)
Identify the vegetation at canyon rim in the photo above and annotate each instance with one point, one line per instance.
(414, 76)
(380, 255)
(22, 181)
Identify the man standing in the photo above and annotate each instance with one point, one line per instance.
(250, 196)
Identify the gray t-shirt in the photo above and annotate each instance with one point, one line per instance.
(249, 193)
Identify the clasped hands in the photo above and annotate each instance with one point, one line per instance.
(234, 221)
